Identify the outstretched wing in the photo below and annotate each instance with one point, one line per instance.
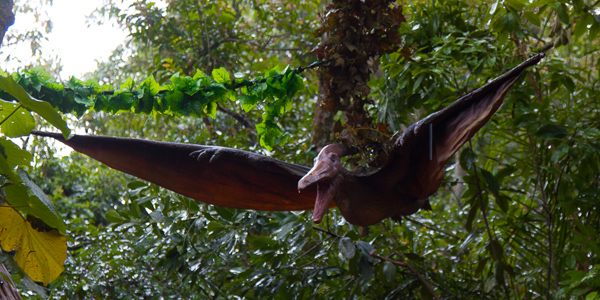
(417, 160)
(216, 175)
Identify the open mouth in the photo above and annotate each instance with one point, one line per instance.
(322, 202)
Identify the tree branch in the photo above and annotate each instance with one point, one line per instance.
(412, 269)
(395, 262)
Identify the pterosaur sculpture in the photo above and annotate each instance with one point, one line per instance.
(239, 179)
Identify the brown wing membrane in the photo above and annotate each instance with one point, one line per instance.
(416, 162)
(215, 175)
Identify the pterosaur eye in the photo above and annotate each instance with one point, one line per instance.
(333, 159)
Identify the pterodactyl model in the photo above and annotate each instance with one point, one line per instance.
(239, 179)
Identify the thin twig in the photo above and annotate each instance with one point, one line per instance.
(395, 262)
(412, 269)
(327, 231)
(487, 225)
(433, 228)
(236, 116)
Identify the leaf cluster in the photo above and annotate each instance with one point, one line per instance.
(354, 35)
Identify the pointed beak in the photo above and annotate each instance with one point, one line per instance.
(320, 171)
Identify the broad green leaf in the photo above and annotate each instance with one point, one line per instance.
(592, 133)
(366, 268)
(17, 196)
(496, 250)
(472, 213)
(594, 30)
(365, 248)
(503, 202)
(581, 25)
(151, 85)
(15, 156)
(41, 206)
(6, 169)
(389, 272)
(347, 247)
(221, 75)
(563, 13)
(533, 18)
(499, 273)
(211, 109)
(552, 131)
(561, 151)
(41, 254)
(491, 181)
(517, 5)
(114, 217)
(44, 109)
(413, 256)
(128, 85)
(225, 212)
(16, 120)
(467, 159)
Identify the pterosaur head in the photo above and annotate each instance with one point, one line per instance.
(327, 172)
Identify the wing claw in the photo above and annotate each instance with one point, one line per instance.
(209, 154)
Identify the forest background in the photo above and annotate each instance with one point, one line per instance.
(516, 217)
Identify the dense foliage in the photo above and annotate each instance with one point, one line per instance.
(516, 218)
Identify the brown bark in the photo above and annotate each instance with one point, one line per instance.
(7, 289)
(322, 126)
(7, 18)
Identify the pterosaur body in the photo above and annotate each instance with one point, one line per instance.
(233, 178)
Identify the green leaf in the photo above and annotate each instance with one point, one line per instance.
(225, 213)
(552, 131)
(591, 133)
(517, 5)
(563, 13)
(496, 250)
(499, 272)
(491, 181)
(44, 109)
(503, 172)
(215, 226)
(533, 18)
(151, 85)
(17, 196)
(581, 25)
(503, 202)
(561, 151)
(413, 256)
(365, 248)
(467, 159)
(15, 156)
(114, 217)
(211, 109)
(594, 30)
(221, 75)
(6, 169)
(347, 247)
(591, 296)
(16, 120)
(471, 215)
(41, 206)
(389, 272)
(128, 85)
(366, 269)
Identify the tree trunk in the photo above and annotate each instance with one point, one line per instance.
(322, 126)
(7, 289)
(7, 18)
